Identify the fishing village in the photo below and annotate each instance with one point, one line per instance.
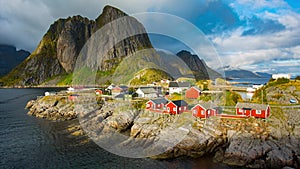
(212, 120)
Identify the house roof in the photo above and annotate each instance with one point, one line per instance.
(121, 96)
(148, 90)
(120, 88)
(180, 103)
(123, 87)
(179, 84)
(160, 100)
(207, 105)
(251, 106)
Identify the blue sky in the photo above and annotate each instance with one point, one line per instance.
(257, 35)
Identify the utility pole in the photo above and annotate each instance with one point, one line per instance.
(262, 96)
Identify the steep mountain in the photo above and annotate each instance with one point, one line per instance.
(10, 57)
(197, 66)
(58, 50)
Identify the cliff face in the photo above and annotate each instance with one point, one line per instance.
(10, 57)
(58, 50)
(197, 66)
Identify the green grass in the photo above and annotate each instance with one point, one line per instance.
(281, 83)
(66, 80)
(148, 76)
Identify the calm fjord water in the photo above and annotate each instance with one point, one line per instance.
(29, 142)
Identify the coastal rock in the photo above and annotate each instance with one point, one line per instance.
(251, 143)
(52, 108)
(30, 104)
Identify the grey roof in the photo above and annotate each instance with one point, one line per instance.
(123, 87)
(148, 90)
(179, 84)
(160, 100)
(120, 96)
(180, 103)
(208, 105)
(251, 106)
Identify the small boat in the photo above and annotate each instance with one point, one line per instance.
(293, 101)
(250, 90)
(71, 89)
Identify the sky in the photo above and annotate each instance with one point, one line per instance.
(256, 35)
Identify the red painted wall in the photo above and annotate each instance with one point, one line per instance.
(192, 93)
(171, 107)
(240, 111)
(149, 105)
(210, 113)
(254, 113)
(198, 110)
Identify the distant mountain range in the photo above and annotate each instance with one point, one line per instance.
(54, 59)
(233, 73)
(10, 57)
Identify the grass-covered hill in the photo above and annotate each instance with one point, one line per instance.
(279, 91)
(148, 76)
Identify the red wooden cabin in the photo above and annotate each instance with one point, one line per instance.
(177, 107)
(253, 109)
(205, 110)
(193, 93)
(156, 104)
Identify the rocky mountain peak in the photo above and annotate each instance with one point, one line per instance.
(58, 50)
(109, 14)
(198, 66)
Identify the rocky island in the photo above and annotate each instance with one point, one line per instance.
(251, 142)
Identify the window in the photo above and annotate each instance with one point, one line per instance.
(194, 111)
(148, 105)
(168, 109)
(184, 108)
(179, 108)
(202, 112)
(174, 109)
(258, 111)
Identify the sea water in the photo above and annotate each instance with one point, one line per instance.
(29, 142)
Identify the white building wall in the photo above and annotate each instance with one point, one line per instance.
(277, 76)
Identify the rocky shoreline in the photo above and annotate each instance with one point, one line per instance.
(251, 143)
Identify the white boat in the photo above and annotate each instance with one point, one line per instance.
(250, 90)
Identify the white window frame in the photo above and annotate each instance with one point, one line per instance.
(258, 112)
(202, 112)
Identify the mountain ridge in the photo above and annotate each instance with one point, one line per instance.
(54, 59)
(10, 57)
(233, 73)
